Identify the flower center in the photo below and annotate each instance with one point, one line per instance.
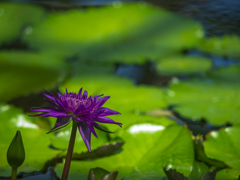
(74, 103)
(72, 100)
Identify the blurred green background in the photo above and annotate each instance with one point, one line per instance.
(170, 78)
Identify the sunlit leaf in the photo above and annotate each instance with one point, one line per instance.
(61, 140)
(148, 148)
(224, 145)
(215, 98)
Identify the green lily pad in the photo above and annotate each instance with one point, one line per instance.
(130, 33)
(35, 140)
(14, 17)
(227, 45)
(99, 174)
(214, 98)
(224, 146)
(61, 140)
(148, 148)
(125, 97)
(198, 171)
(183, 65)
(201, 156)
(22, 73)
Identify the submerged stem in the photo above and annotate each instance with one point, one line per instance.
(69, 152)
(14, 173)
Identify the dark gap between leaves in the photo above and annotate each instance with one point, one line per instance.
(143, 74)
(200, 126)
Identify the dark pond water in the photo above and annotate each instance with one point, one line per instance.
(36, 175)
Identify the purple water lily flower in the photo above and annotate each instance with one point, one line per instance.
(86, 111)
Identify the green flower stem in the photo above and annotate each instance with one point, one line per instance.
(14, 173)
(70, 151)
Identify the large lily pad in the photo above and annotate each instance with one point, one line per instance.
(22, 73)
(61, 140)
(14, 17)
(148, 148)
(224, 145)
(36, 141)
(214, 98)
(125, 97)
(130, 33)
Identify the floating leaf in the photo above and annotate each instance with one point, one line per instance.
(199, 169)
(101, 174)
(61, 140)
(22, 73)
(224, 146)
(227, 45)
(14, 17)
(183, 65)
(125, 97)
(215, 98)
(201, 156)
(148, 148)
(130, 33)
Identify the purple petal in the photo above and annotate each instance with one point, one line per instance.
(80, 93)
(89, 124)
(66, 91)
(50, 97)
(77, 119)
(40, 108)
(36, 115)
(101, 101)
(52, 114)
(79, 109)
(61, 122)
(56, 114)
(52, 103)
(102, 111)
(107, 120)
(96, 97)
(50, 94)
(85, 94)
(61, 104)
(85, 133)
(87, 119)
(45, 109)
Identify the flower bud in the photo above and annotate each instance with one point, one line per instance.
(16, 153)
